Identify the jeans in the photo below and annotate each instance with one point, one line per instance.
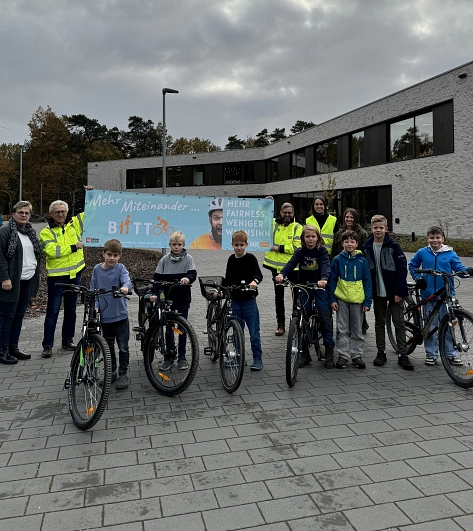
(11, 316)
(323, 310)
(431, 344)
(397, 311)
(247, 312)
(55, 295)
(119, 330)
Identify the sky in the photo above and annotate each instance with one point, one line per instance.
(239, 65)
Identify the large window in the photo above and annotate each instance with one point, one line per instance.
(144, 178)
(326, 156)
(298, 164)
(412, 137)
(198, 175)
(238, 173)
(358, 150)
(272, 170)
(173, 176)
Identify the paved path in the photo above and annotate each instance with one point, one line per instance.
(342, 450)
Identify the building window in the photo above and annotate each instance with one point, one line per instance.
(144, 178)
(173, 176)
(326, 156)
(412, 137)
(238, 173)
(272, 170)
(198, 175)
(358, 149)
(298, 164)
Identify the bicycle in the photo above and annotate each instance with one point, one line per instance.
(226, 341)
(165, 338)
(304, 330)
(457, 325)
(88, 383)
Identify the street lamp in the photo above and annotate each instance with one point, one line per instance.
(9, 195)
(21, 172)
(165, 91)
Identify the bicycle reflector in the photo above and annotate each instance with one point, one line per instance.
(90, 411)
(177, 330)
(164, 377)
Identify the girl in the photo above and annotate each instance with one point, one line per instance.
(314, 267)
(350, 222)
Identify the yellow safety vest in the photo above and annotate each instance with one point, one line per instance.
(326, 231)
(290, 237)
(56, 245)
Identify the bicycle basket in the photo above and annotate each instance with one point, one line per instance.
(207, 286)
(142, 288)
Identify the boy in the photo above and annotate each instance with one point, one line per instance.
(388, 268)
(441, 258)
(350, 295)
(114, 311)
(177, 266)
(244, 267)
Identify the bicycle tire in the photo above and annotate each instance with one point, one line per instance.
(462, 375)
(89, 385)
(173, 380)
(317, 339)
(212, 330)
(141, 312)
(232, 356)
(411, 336)
(294, 339)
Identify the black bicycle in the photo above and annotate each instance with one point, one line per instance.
(456, 327)
(226, 341)
(168, 342)
(89, 380)
(304, 330)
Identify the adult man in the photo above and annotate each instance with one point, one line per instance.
(62, 245)
(213, 239)
(286, 239)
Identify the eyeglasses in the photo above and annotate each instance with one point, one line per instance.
(287, 213)
(58, 212)
(23, 213)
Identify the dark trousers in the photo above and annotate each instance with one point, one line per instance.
(279, 296)
(55, 296)
(397, 311)
(11, 316)
(323, 310)
(181, 345)
(119, 331)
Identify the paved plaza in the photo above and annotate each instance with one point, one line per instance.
(364, 450)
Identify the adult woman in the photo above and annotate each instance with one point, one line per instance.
(350, 222)
(325, 222)
(19, 270)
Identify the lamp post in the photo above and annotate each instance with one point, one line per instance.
(9, 195)
(21, 172)
(165, 91)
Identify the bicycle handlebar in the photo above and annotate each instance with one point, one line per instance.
(77, 288)
(435, 273)
(310, 285)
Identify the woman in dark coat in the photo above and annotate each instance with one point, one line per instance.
(19, 270)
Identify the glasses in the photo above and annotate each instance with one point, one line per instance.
(58, 212)
(23, 213)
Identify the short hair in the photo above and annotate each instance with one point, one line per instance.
(59, 202)
(177, 237)
(313, 228)
(22, 204)
(435, 230)
(113, 246)
(239, 236)
(287, 205)
(349, 235)
(354, 213)
(378, 218)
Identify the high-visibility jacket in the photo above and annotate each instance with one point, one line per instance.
(326, 231)
(59, 246)
(290, 238)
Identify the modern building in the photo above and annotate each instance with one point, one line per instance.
(408, 156)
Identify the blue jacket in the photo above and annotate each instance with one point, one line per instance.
(393, 266)
(350, 279)
(445, 259)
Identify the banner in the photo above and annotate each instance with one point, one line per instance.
(148, 220)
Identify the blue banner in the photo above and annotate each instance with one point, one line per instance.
(147, 220)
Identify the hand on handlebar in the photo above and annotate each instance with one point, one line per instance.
(279, 278)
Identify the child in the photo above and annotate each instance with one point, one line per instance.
(350, 296)
(244, 267)
(441, 258)
(314, 267)
(177, 266)
(114, 311)
(388, 268)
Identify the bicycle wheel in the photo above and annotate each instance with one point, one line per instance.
(232, 356)
(212, 330)
(411, 337)
(161, 348)
(294, 345)
(460, 368)
(89, 381)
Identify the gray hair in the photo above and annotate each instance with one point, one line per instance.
(22, 204)
(59, 202)
(287, 205)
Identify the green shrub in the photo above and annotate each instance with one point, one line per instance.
(461, 247)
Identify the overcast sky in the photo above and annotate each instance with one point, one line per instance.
(239, 65)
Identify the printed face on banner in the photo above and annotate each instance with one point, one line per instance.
(148, 220)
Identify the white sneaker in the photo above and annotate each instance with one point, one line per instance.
(455, 361)
(430, 361)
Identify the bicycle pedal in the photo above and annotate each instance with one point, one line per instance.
(139, 336)
(67, 383)
(137, 329)
(208, 351)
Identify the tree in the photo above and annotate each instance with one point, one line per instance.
(300, 126)
(277, 135)
(192, 145)
(262, 139)
(329, 189)
(234, 143)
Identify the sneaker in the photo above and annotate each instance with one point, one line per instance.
(182, 364)
(47, 352)
(405, 362)
(453, 361)
(341, 363)
(114, 376)
(380, 359)
(304, 360)
(257, 365)
(166, 365)
(280, 331)
(358, 363)
(430, 361)
(122, 382)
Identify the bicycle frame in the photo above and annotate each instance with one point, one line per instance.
(308, 322)
(224, 311)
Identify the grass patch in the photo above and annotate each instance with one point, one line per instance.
(461, 247)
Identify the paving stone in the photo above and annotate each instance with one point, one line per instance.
(307, 449)
(448, 446)
(82, 450)
(129, 473)
(398, 437)
(357, 442)
(12, 473)
(112, 493)
(24, 487)
(288, 508)
(389, 471)
(229, 518)
(438, 525)
(33, 456)
(12, 507)
(439, 483)
(264, 471)
(357, 458)
(398, 452)
(205, 448)
(73, 519)
(433, 464)
(331, 432)
(23, 445)
(23, 523)
(217, 478)
(392, 491)
(429, 508)
(340, 499)
(153, 488)
(376, 517)
(192, 522)
(188, 502)
(327, 522)
(317, 463)
(226, 460)
(274, 453)
(291, 437)
(69, 499)
(130, 511)
(242, 494)
(249, 443)
(179, 467)
(338, 479)
(304, 484)
(113, 460)
(77, 480)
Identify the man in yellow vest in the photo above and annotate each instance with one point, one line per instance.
(61, 242)
(325, 222)
(286, 239)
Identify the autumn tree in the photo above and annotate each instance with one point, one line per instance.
(234, 143)
(183, 146)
